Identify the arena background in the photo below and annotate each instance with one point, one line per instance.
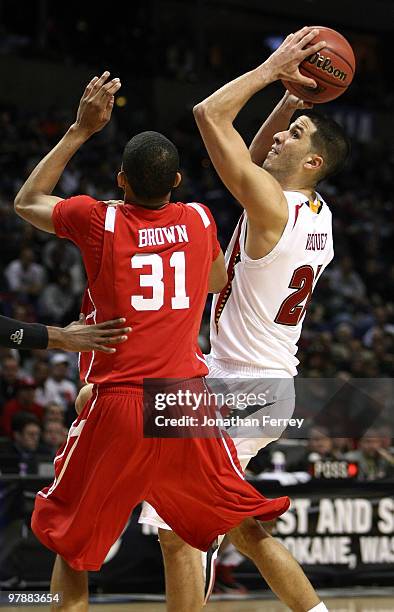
(170, 55)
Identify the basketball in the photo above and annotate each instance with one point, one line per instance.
(332, 68)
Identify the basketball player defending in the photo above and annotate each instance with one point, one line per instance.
(279, 249)
(151, 261)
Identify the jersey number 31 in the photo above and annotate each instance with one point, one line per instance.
(155, 281)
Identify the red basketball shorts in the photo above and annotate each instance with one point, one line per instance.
(107, 467)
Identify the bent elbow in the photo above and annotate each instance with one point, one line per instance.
(198, 109)
(18, 205)
(216, 285)
(201, 112)
(22, 203)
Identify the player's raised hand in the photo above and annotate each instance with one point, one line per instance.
(284, 62)
(95, 107)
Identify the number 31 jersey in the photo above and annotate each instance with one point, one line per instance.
(257, 319)
(151, 267)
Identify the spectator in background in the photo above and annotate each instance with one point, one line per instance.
(346, 282)
(341, 446)
(386, 436)
(8, 379)
(54, 413)
(24, 276)
(63, 256)
(374, 461)
(23, 402)
(58, 387)
(320, 448)
(380, 328)
(22, 312)
(20, 456)
(53, 436)
(40, 375)
(57, 301)
(340, 347)
(321, 443)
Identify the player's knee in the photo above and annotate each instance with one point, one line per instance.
(247, 535)
(171, 543)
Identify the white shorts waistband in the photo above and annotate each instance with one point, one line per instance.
(236, 367)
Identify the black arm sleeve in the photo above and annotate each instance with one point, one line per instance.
(16, 334)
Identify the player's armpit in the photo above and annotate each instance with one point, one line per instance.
(218, 275)
(37, 209)
(254, 188)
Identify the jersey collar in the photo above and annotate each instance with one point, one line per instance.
(315, 205)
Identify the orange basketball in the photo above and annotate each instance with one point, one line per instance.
(332, 68)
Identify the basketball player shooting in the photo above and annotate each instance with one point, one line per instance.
(279, 250)
(107, 466)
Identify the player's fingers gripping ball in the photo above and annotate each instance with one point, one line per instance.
(332, 68)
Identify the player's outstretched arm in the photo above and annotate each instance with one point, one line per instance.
(78, 337)
(258, 192)
(278, 121)
(34, 202)
(75, 337)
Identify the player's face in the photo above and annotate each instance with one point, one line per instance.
(290, 150)
(370, 445)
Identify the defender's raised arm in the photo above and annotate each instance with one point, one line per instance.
(34, 202)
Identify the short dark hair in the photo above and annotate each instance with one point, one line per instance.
(331, 140)
(20, 420)
(150, 163)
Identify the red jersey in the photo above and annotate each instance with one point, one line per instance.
(151, 267)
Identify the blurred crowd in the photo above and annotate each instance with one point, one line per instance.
(322, 456)
(180, 43)
(349, 328)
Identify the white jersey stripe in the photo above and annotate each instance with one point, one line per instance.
(94, 401)
(57, 481)
(110, 219)
(231, 459)
(93, 352)
(74, 432)
(201, 359)
(70, 433)
(201, 212)
(89, 316)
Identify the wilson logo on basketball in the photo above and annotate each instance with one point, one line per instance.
(325, 64)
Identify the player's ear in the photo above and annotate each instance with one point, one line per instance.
(313, 162)
(121, 179)
(178, 179)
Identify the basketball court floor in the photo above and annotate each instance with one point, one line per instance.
(348, 604)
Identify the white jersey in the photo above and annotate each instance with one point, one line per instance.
(257, 319)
